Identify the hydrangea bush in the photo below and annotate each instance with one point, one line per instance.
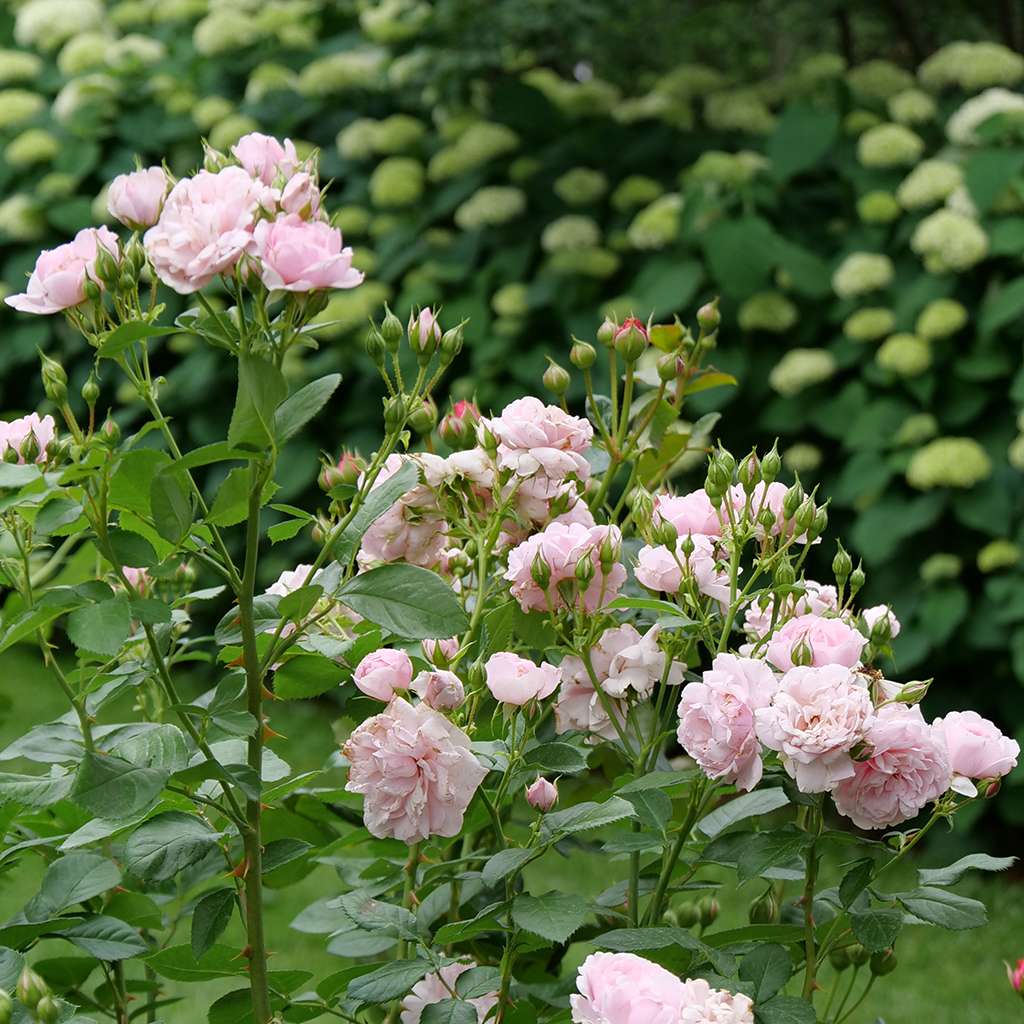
(543, 650)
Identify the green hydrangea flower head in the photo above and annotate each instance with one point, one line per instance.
(869, 324)
(861, 273)
(397, 181)
(573, 231)
(949, 462)
(801, 368)
(905, 355)
(802, 458)
(916, 429)
(635, 190)
(943, 565)
(941, 318)
(889, 145)
(912, 106)
(511, 300)
(18, 106)
(34, 146)
(739, 110)
(949, 241)
(489, 206)
(931, 182)
(878, 207)
(657, 224)
(769, 311)
(581, 186)
(998, 554)
(879, 80)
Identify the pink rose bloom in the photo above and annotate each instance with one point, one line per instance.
(264, 157)
(908, 768)
(474, 466)
(291, 580)
(204, 228)
(690, 513)
(872, 616)
(977, 749)
(814, 720)
(415, 770)
(817, 599)
(382, 672)
(297, 255)
(58, 279)
(716, 719)
(136, 199)
(540, 502)
(635, 663)
(301, 196)
(830, 641)
(440, 689)
(622, 988)
(659, 570)
(578, 706)
(517, 681)
(139, 578)
(541, 794)
(41, 430)
(440, 652)
(706, 1005)
(436, 988)
(1016, 976)
(560, 547)
(541, 441)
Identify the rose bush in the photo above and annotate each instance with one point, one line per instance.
(541, 650)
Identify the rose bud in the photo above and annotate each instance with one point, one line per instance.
(542, 795)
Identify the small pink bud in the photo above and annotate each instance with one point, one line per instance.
(543, 795)
(1016, 977)
(441, 690)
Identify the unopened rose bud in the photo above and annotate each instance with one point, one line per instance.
(440, 689)
(727, 461)
(91, 290)
(185, 574)
(542, 795)
(487, 440)
(582, 355)
(819, 524)
(477, 676)
(858, 955)
(771, 465)
(556, 379)
(708, 317)
(914, 692)
(765, 909)
(989, 788)
(107, 269)
(792, 500)
(585, 572)
(29, 449)
(374, 345)
(842, 565)
(47, 1010)
(688, 914)
(708, 910)
(30, 988)
(608, 555)
(395, 411)
(766, 519)
(1015, 975)
(424, 334)
(749, 473)
(391, 330)
(670, 918)
(687, 547)
(91, 391)
(668, 367)
(346, 470)
(666, 534)
(6, 1007)
(631, 339)
(458, 428)
(540, 572)
(110, 432)
(804, 518)
(883, 962)
(423, 418)
(641, 504)
(452, 341)
(606, 332)
(857, 578)
(802, 653)
(55, 380)
(839, 959)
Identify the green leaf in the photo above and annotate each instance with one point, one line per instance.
(1001, 307)
(855, 881)
(766, 850)
(153, 745)
(587, 815)
(377, 502)
(665, 284)
(307, 675)
(177, 963)
(876, 929)
(782, 933)
(707, 381)
(786, 1010)
(132, 549)
(406, 600)
(554, 916)
(210, 918)
(767, 968)
(388, 982)
(298, 409)
(632, 940)
(73, 879)
(111, 787)
(741, 254)
(954, 872)
(55, 514)
(107, 938)
(652, 807)
(505, 863)
(170, 505)
(477, 982)
(654, 780)
(988, 171)
(563, 758)
(802, 139)
(449, 1011)
(34, 790)
(167, 844)
(761, 801)
(131, 484)
(299, 603)
(261, 389)
(231, 503)
(124, 336)
(15, 476)
(101, 628)
(943, 908)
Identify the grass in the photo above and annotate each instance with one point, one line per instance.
(944, 977)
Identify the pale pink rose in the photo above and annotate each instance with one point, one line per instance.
(706, 1005)
(58, 279)
(297, 255)
(436, 988)
(291, 580)
(139, 578)
(578, 706)
(33, 432)
(622, 988)
(204, 228)
(382, 672)
(830, 641)
(716, 718)
(660, 570)
(264, 157)
(440, 652)
(561, 547)
(540, 502)
(872, 616)
(412, 530)
(1016, 976)
(136, 199)
(816, 717)
(635, 663)
(690, 513)
(517, 681)
(415, 770)
(541, 794)
(541, 441)
(474, 466)
(909, 767)
(301, 196)
(817, 599)
(440, 689)
(977, 749)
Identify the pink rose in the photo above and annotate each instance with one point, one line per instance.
(539, 501)
(716, 719)
(517, 681)
(817, 599)
(297, 255)
(440, 689)
(136, 199)
(382, 672)
(1016, 976)
(622, 988)
(830, 641)
(660, 570)
(440, 652)
(32, 434)
(58, 279)
(908, 768)
(690, 513)
(875, 615)
(415, 770)
(204, 228)
(472, 465)
(541, 441)
(977, 749)
(264, 157)
(706, 1005)
(291, 580)
(635, 663)
(139, 579)
(542, 795)
(816, 717)
(301, 196)
(556, 551)
(578, 706)
(436, 988)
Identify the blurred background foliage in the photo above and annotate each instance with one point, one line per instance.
(847, 176)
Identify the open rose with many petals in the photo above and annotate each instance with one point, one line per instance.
(438, 987)
(828, 641)
(690, 513)
(662, 570)
(27, 433)
(264, 157)
(977, 749)
(516, 681)
(136, 199)
(297, 255)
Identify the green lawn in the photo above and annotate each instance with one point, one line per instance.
(944, 977)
